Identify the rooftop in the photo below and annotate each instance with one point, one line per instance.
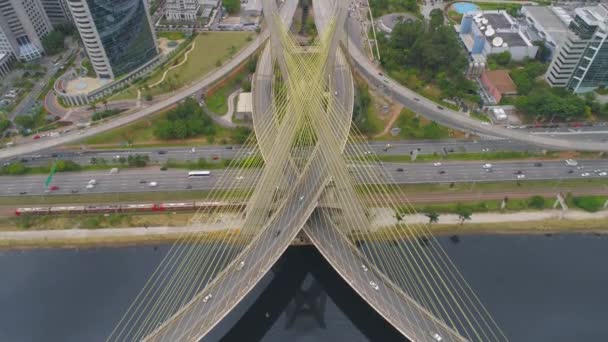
(501, 80)
(593, 15)
(550, 22)
(498, 21)
(245, 103)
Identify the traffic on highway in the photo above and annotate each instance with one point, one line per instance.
(154, 179)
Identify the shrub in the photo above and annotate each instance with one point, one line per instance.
(589, 203)
(536, 202)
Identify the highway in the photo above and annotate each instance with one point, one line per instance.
(83, 157)
(137, 180)
(287, 11)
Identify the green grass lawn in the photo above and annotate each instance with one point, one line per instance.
(141, 134)
(210, 48)
(413, 127)
(141, 130)
(218, 101)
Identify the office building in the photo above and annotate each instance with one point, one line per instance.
(23, 24)
(5, 64)
(57, 11)
(182, 10)
(117, 34)
(581, 62)
(493, 32)
(547, 24)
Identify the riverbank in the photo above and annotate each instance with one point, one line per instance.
(533, 222)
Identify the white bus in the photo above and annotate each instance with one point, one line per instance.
(199, 174)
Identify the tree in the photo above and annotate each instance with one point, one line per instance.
(105, 103)
(4, 125)
(436, 18)
(463, 213)
(232, 6)
(502, 59)
(14, 169)
(53, 43)
(398, 216)
(433, 216)
(25, 121)
(138, 160)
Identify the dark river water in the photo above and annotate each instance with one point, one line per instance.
(538, 288)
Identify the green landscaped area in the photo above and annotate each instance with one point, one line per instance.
(413, 127)
(217, 102)
(141, 134)
(211, 49)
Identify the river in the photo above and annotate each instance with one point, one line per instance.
(538, 288)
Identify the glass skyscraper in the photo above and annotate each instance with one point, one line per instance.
(117, 34)
(581, 63)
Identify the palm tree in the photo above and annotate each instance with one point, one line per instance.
(463, 215)
(398, 216)
(433, 216)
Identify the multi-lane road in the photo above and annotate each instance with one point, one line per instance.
(138, 180)
(161, 155)
(287, 11)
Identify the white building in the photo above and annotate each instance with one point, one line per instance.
(493, 32)
(253, 8)
(581, 62)
(244, 106)
(179, 10)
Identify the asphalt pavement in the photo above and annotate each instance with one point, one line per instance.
(138, 180)
(161, 155)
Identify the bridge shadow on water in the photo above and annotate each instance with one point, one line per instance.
(296, 298)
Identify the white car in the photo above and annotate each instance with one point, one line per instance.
(207, 297)
(301, 198)
(603, 173)
(92, 182)
(437, 337)
(90, 186)
(485, 123)
(239, 177)
(486, 166)
(114, 171)
(585, 174)
(240, 266)
(571, 162)
(373, 285)
(437, 164)
(153, 184)
(364, 268)
(521, 176)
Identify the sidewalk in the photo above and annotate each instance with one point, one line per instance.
(381, 218)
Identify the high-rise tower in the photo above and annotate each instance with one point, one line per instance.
(23, 23)
(117, 34)
(581, 62)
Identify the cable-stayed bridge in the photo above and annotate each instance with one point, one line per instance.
(303, 103)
